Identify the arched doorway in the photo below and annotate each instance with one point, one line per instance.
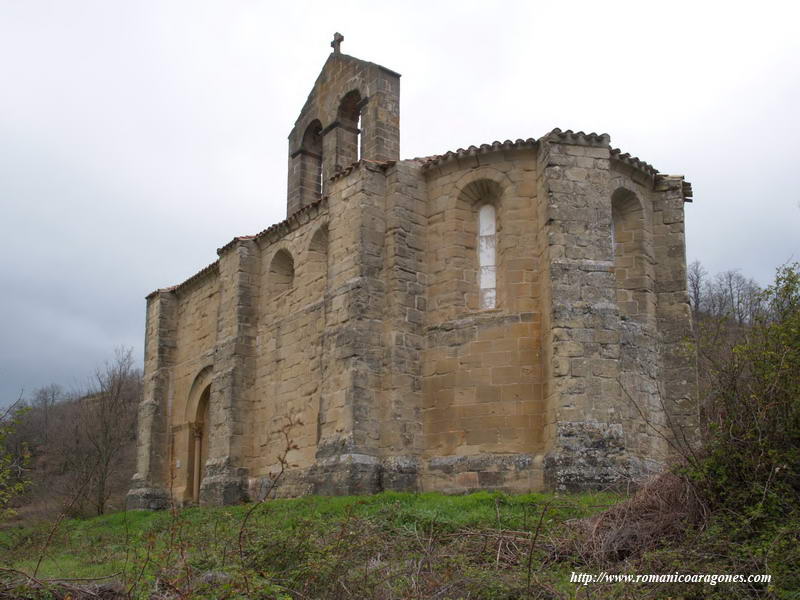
(199, 441)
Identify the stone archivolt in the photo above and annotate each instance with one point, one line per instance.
(357, 321)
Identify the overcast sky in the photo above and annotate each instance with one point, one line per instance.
(137, 137)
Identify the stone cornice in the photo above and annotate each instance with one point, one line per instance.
(305, 152)
(688, 194)
(675, 182)
(370, 165)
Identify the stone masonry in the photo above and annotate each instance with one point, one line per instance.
(511, 316)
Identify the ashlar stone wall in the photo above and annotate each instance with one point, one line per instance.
(483, 411)
(398, 343)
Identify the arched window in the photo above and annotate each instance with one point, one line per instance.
(348, 141)
(281, 272)
(478, 253)
(487, 256)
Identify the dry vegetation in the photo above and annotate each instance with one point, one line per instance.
(388, 546)
(79, 447)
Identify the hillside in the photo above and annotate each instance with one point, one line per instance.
(390, 545)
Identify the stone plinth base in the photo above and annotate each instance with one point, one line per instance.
(513, 473)
(588, 456)
(349, 474)
(223, 485)
(147, 498)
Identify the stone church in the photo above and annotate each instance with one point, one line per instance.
(507, 316)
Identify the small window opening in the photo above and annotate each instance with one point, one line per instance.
(487, 256)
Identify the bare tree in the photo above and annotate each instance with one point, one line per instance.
(81, 444)
(92, 448)
(44, 399)
(732, 296)
(107, 418)
(697, 280)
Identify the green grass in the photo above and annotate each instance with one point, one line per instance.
(292, 540)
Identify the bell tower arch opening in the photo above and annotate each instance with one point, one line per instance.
(348, 133)
(311, 163)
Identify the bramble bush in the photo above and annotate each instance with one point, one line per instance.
(752, 462)
(13, 482)
(749, 474)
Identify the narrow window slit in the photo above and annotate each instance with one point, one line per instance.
(487, 256)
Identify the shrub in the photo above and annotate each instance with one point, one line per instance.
(752, 462)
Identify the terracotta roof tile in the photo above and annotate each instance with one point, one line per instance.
(428, 161)
(210, 268)
(633, 161)
(281, 228)
(593, 139)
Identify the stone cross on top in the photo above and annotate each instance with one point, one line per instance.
(336, 44)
